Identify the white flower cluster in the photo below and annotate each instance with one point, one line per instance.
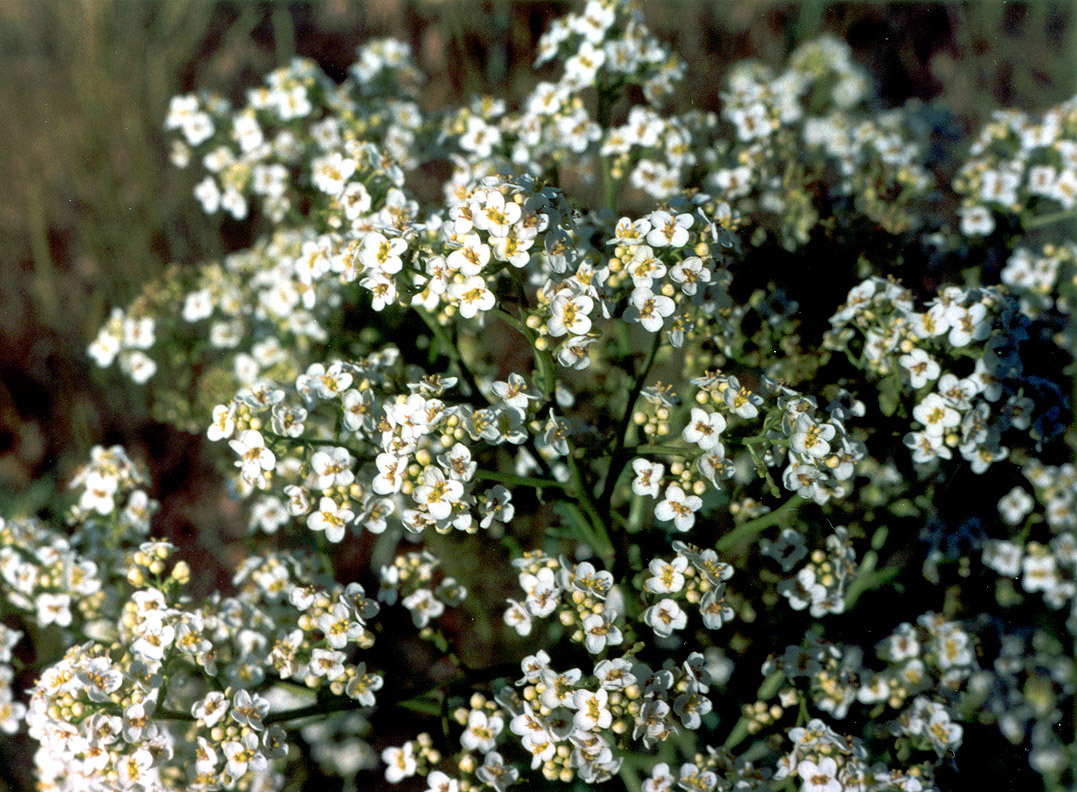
(693, 575)
(339, 449)
(583, 598)
(821, 584)
(12, 711)
(1047, 568)
(967, 407)
(1019, 165)
(129, 701)
(569, 722)
(411, 579)
(819, 455)
(607, 327)
(610, 41)
(1042, 281)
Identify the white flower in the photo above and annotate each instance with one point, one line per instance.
(648, 477)
(705, 429)
(471, 257)
(424, 606)
(811, 439)
(599, 632)
(1003, 557)
(667, 577)
(331, 518)
(331, 173)
(497, 507)
(332, 467)
(481, 731)
(665, 616)
(976, 221)
(491, 212)
(248, 710)
(328, 663)
(382, 255)
(967, 324)
(390, 473)
(53, 609)
(649, 309)
(678, 508)
(922, 368)
(542, 592)
(437, 493)
(592, 709)
(1040, 573)
(927, 447)
(98, 493)
(496, 773)
(210, 709)
(936, 414)
(660, 780)
(582, 67)
(156, 639)
(518, 617)
(437, 781)
(668, 230)
(569, 315)
(573, 352)
(382, 289)
(208, 194)
(690, 273)
(1015, 506)
(479, 138)
(100, 679)
(138, 366)
(254, 458)
(135, 768)
(741, 400)
(223, 422)
(690, 707)
(340, 626)
(821, 777)
(514, 392)
(473, 296)
(714, 610)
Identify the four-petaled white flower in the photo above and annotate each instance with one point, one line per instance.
(704, 429)
(665, 617)
(648, 479)
(255, 460)
(332, 518)
(678, 508)
(481, 731)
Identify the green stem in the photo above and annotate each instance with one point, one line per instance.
(866, 576)
(449, 348)
(518, 481)
(1048, 219)
(658, 448)
(602, 544)
(868, 579)
(749, 529)
(619, 459)
(307, 442)
(544, 376)
(472, 677)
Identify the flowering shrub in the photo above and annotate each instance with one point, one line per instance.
(772, 511)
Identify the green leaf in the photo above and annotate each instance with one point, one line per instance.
(890, 394)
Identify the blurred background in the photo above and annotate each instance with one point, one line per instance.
(91, 209)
